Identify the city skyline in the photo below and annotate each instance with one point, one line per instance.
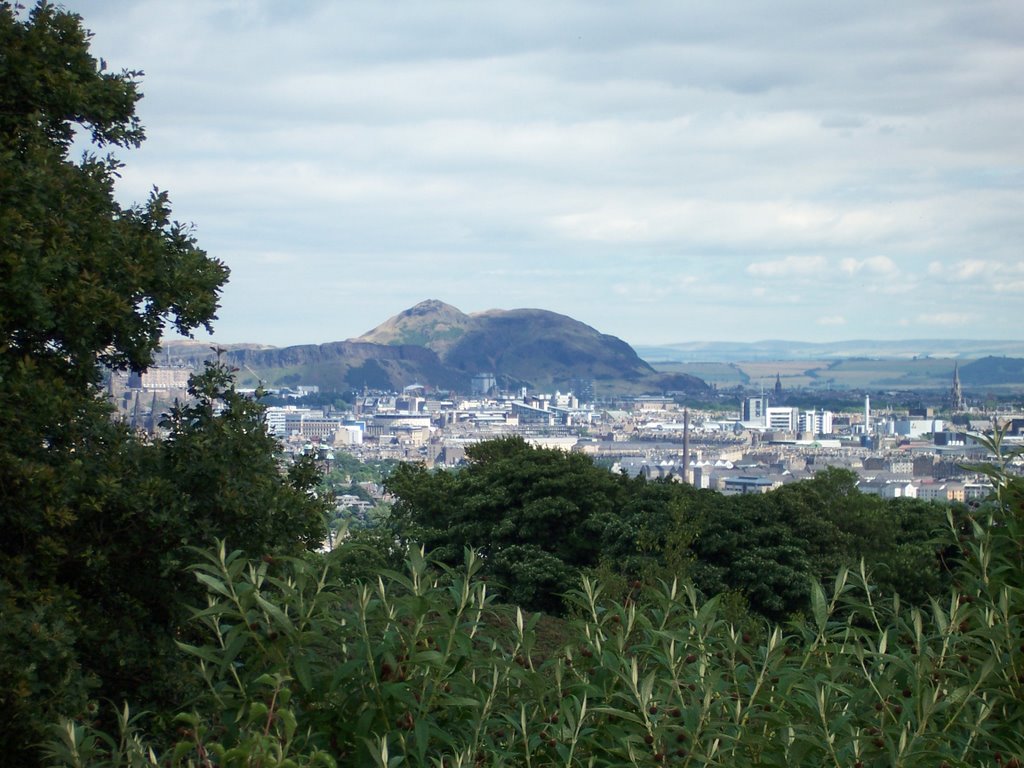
(803, 171)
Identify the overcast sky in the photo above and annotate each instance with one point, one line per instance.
(663, 171)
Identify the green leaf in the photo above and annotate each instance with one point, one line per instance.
(281, 620)
(207, 654)
(818, 606)
(459, 701)
(213, 583)
(302, 671)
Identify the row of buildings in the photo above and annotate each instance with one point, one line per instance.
(751, 449)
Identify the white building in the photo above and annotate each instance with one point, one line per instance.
(277, 417)
(888, 490)
(782, 419)
(348, 435)
(165, 378)
(816, 422)
(914, 427)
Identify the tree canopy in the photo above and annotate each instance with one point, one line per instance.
(96, 520)
(534, 514)
(542, 518)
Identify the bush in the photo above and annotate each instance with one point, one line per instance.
(419, 668)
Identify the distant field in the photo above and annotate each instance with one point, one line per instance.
(792, 373)
(720, 374)
(891, 374)
(857, 373)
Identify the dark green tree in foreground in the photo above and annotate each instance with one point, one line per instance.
(541, 519)
(95, 521)
(536, 516)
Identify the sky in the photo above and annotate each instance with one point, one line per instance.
(663, 171)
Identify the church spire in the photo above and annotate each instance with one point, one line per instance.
(956, 395)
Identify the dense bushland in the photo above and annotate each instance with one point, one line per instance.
(541, 518)
(422, 668)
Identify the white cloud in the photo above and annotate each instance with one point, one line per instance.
(791, 266)
(974, 278)
(831, 320)
(971, 268)
(944, 319)
(648, 291)
(830, 142)
(874, 265)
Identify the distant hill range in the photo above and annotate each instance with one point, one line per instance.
(862, 365)
(440, 347)
(733, 351)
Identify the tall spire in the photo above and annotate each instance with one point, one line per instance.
(956, 395)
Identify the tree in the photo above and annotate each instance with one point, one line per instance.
(95, 520)
(83, 281)
(747, 546)
(536, 515)
(651, 537)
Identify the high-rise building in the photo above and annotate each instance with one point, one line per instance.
(816, 422)
(783, 419)
(584, 389)
(754, 409)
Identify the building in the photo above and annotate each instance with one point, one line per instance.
(482, 384)
(941, 492)
(816, 422)
(321, 427)
(783, 419)
(888, 489)
(166, 378)
(907, 427)
(348, 435)
(956, 394)
(530, 414)
(747, 484)
(283, 420)
(584, 389)
(753, 410)
(652, 403)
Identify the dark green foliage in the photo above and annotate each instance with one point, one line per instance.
(226, 477)
(365, 553)
(536, 516)
(95, 520)
(82, 280)
(349, 469)
(542, 518)
(748, 547)
(420, 668)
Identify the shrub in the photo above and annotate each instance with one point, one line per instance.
(420, 668)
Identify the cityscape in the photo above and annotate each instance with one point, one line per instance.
(723, 463)
(754, 444)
